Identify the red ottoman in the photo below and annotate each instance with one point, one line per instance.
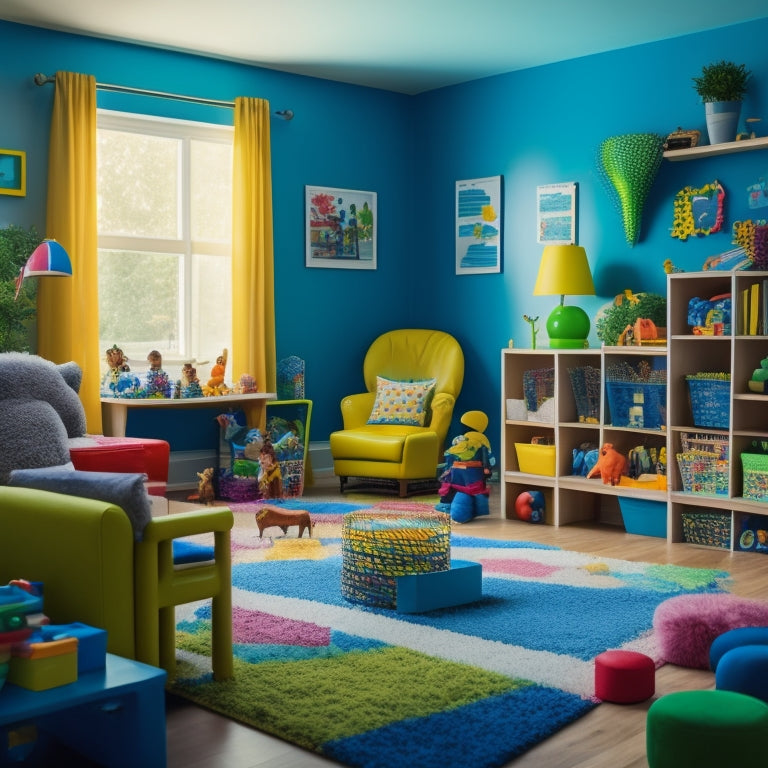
(624, 677)
(96, 453)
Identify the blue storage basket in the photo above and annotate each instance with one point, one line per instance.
(710, 401)
(621, 397)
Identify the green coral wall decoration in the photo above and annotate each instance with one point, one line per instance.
(628, 165)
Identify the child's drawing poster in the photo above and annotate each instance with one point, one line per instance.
(478, 226)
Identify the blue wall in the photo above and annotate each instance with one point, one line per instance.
(534, 127)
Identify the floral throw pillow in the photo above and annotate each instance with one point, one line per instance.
(402, 402)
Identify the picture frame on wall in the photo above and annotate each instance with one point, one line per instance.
(556, 213)
(478, 226)
(340, 228)
(13, 172)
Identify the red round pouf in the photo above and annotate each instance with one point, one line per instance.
(624, 677)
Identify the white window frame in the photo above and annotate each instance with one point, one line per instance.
(186, 131)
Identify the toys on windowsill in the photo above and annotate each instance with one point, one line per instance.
(157, 382)
(468, 466)
(190, 384)
(215, 385)
(247, 385)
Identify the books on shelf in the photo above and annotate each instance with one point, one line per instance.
(754, 309)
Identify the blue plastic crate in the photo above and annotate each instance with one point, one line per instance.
(644, 517)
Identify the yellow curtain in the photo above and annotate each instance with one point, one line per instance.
(253, 297)
(67, 316)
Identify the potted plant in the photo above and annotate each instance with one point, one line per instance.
(16, 245)
(722, 87)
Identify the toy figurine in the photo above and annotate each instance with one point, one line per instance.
(468, 465)
(190, 384)
(206, 493)
(270, 476)
(218, 371)
(611, 465)
(534, 330)
(157, 382)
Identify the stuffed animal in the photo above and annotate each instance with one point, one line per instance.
(206, 493)
(39, 412)
(611, 465)
(468, 465)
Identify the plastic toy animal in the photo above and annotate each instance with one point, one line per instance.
(283, 519)
(611, 465)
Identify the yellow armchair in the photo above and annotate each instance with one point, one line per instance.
(402, 453)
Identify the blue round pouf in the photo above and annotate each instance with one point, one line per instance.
(734, 638)
(744, 670)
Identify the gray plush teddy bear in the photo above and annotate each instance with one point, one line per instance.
(39, 411)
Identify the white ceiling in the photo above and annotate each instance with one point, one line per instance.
(407, 46)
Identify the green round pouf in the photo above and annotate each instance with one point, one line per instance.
(707, 729)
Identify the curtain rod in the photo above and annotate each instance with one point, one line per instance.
(41, 79)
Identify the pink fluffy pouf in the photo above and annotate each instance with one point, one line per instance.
(686, 625)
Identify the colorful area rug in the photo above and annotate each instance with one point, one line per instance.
(475, 685)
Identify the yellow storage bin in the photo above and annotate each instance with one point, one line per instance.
(536, 459)
(45, 665)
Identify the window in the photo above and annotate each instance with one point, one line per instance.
(164, 225)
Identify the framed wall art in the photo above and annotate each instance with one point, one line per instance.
(340, 228)
(13, 172)
(556, 213)
(478, 226)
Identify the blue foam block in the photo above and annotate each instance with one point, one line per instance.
(91, 643)
(421, 592)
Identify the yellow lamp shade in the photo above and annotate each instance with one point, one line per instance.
(564, 269)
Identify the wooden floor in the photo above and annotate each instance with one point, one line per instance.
(611, 736)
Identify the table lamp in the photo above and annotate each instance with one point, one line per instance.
(48, 259)
(565, 269)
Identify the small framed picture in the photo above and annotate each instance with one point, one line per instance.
(340, 228)
(556, 213)
(13, 172)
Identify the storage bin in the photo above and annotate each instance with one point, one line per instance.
(585, 383)
(624, 397)
(644, 516)
(536, 459)
(755, 468)
(710, 400)
(707, 528)
(703, 474)
(538, 386)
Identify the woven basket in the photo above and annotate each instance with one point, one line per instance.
(235, 488)
(755, 466)
(703, 474)
(585, 383)
(710, 402)
(707, 528)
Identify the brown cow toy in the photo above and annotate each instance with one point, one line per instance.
(611, 465)
(283, 518)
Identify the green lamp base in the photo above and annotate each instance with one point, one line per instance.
(568, 328)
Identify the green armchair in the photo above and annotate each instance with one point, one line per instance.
(405, 453)
(94, 571)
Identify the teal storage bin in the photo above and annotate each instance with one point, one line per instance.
(644, 516)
